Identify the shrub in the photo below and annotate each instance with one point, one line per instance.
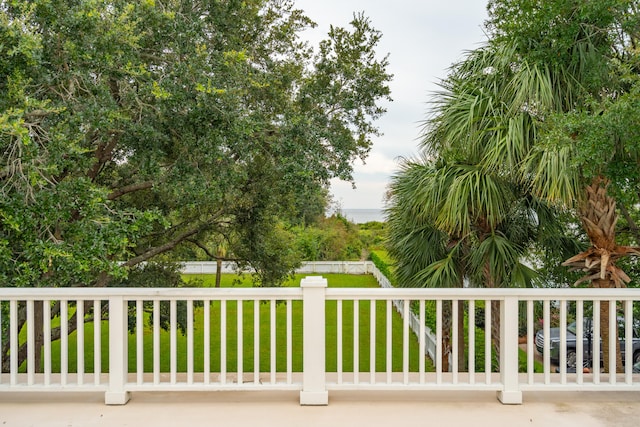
(383, 265)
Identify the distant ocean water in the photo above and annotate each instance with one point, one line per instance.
(360, 216)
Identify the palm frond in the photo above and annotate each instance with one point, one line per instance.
(553, 176)
(443, 273)
(494, 260)
(474, 196)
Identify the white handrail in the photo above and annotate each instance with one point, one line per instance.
(357, 334)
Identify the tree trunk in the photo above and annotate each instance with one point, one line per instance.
(6, 342)
(495, 329)
(38, 319)
(599, 219)
(605, 331)
(495, 313)
(218, 272)
(462, 367)
(446, 334)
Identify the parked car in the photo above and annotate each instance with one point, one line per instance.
(554, 343)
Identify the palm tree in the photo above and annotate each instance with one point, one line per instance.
(451, 223)
(416, 244)
(525, 106)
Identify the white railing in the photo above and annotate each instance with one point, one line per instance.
(326, 267)
(418, 328)
(251, 339)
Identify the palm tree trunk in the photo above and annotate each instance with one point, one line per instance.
(495, 328)
(495, 312)
(462, 367)
(605, 331)
(447, 335)
(447, 325)
(599, 218)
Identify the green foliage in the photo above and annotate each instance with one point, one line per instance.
(520, 127)
(329, 239)
(270, 251)
(590, 131)
(451, 222)
(383, 263)
(566, 36)
(373, 234)
(518, 130)
(589, 54)
(133, 129)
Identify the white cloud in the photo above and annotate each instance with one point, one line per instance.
(423, 39)
(368, 194)
(376, 163)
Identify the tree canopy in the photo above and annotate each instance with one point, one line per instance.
(130, 129)
(547, 109)
(544, 115)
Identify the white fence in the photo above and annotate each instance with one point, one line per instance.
(283, 339)
(416, 326)
(315, 267)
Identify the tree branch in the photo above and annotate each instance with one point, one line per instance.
(203, 247)
(130, 189)
(210, 255)
(167, 246)
(103, 154)
(4, 351)
(633, 227)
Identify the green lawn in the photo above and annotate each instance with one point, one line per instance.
(335, 280)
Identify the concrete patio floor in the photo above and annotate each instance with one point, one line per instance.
(370, 409)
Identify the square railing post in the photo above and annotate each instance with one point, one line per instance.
(510, 393)
(116, 393)
(314, 391)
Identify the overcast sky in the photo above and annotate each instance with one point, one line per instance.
(423, 38)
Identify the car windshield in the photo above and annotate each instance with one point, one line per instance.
(571, 327)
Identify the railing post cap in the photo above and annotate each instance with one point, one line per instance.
(313, 282)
